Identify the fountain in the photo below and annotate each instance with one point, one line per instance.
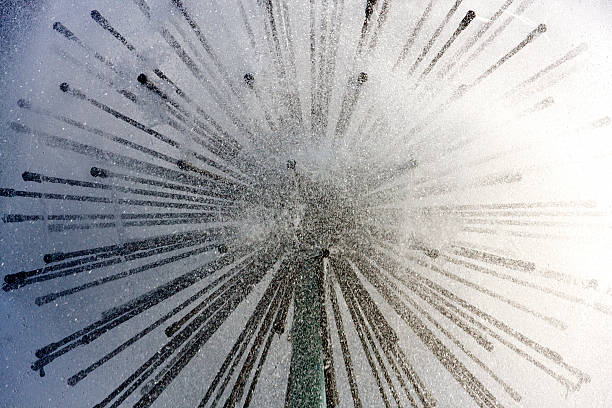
(311, 203)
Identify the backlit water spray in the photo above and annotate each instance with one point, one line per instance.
(308, 203)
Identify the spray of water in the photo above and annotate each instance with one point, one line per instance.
(326, 203)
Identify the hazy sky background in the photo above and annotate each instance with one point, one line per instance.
(16, 17)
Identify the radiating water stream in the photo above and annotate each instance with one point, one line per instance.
(311, 203)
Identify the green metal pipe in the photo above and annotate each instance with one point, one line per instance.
(306, 387)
